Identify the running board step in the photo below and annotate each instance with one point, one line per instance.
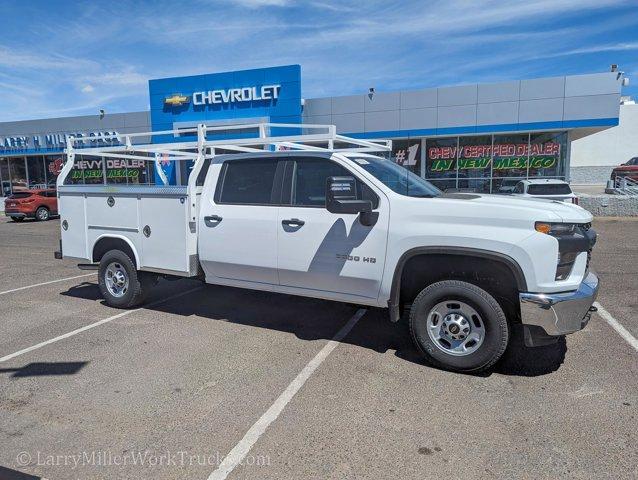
(88, 266)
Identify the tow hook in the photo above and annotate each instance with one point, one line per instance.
(587, 316)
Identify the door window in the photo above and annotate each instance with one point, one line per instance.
(309, 183)
(247, 182)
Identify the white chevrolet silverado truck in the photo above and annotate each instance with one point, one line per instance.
(327, 216)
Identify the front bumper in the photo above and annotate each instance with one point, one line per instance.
(560, 313)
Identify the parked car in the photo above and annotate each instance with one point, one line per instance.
(467, 269)
(40, 204)
(628, 169)
(547, 188)
(508, 185)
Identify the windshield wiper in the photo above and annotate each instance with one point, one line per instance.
(423, 195)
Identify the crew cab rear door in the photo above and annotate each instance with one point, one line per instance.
(323, 251)
(238, 221)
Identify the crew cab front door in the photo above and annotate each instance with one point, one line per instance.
(238, 222)
(323, 251)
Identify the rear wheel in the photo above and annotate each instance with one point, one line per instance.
(42, 214)
(458, 326)
(121, 285)
(17, 219)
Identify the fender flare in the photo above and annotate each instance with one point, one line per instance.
(395, 289)
(118, 237)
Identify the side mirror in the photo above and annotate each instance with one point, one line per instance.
(341, 197)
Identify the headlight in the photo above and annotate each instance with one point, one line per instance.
(570, 243)
(555, 229)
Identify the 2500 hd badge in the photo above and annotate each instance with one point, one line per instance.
(356, 258)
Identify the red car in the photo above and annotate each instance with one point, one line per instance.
(38, 204)
(628, 169)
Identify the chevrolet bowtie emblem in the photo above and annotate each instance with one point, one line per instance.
(176, 100)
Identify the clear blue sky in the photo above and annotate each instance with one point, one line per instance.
(61, 58)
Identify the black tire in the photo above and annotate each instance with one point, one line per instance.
(17, 219)
(42, 214)
(492, 320)
(138, 282)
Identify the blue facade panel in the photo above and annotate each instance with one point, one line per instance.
(273, 94)
(285, 103)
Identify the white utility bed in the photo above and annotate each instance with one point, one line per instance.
(154, 219)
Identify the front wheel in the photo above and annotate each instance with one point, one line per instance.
(121, 285)
(17, 219)
(458, 326)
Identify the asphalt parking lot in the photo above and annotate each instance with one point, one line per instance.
(171, 389)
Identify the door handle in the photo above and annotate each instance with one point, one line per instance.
(213, 218)
(293, 222)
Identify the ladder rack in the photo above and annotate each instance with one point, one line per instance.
(320, 138)
(323, 138)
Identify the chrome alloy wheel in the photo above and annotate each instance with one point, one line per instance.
(116, 279)
(43, 214)
(455, 328)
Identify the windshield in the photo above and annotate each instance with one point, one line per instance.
(399, 179)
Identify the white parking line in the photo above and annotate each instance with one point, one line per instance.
(47, 283)
(239, 451)
(615, 324)
(92, 325)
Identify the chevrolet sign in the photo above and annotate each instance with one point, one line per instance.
(232, 95)
(176, 100)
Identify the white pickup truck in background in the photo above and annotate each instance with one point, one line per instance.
(330, 217)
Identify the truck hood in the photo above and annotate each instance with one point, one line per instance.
(507, 206)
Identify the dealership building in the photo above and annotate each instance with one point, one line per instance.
(481, 137)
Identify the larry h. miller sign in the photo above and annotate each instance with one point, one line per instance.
(55, 142)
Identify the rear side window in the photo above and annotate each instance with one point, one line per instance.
(247, 182)
(520, 188)
(20, 195)
(309, 182)
(549, 189)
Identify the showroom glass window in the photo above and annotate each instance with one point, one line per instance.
(494, 163)
(474, 163)
(36, 170)
(5, 179)
(440, 162)
(547, 155)
(407, 153)
(509, 161)
(18, 174)
(117, 170)
(129, 171)
(86, 170)
(53, 166)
